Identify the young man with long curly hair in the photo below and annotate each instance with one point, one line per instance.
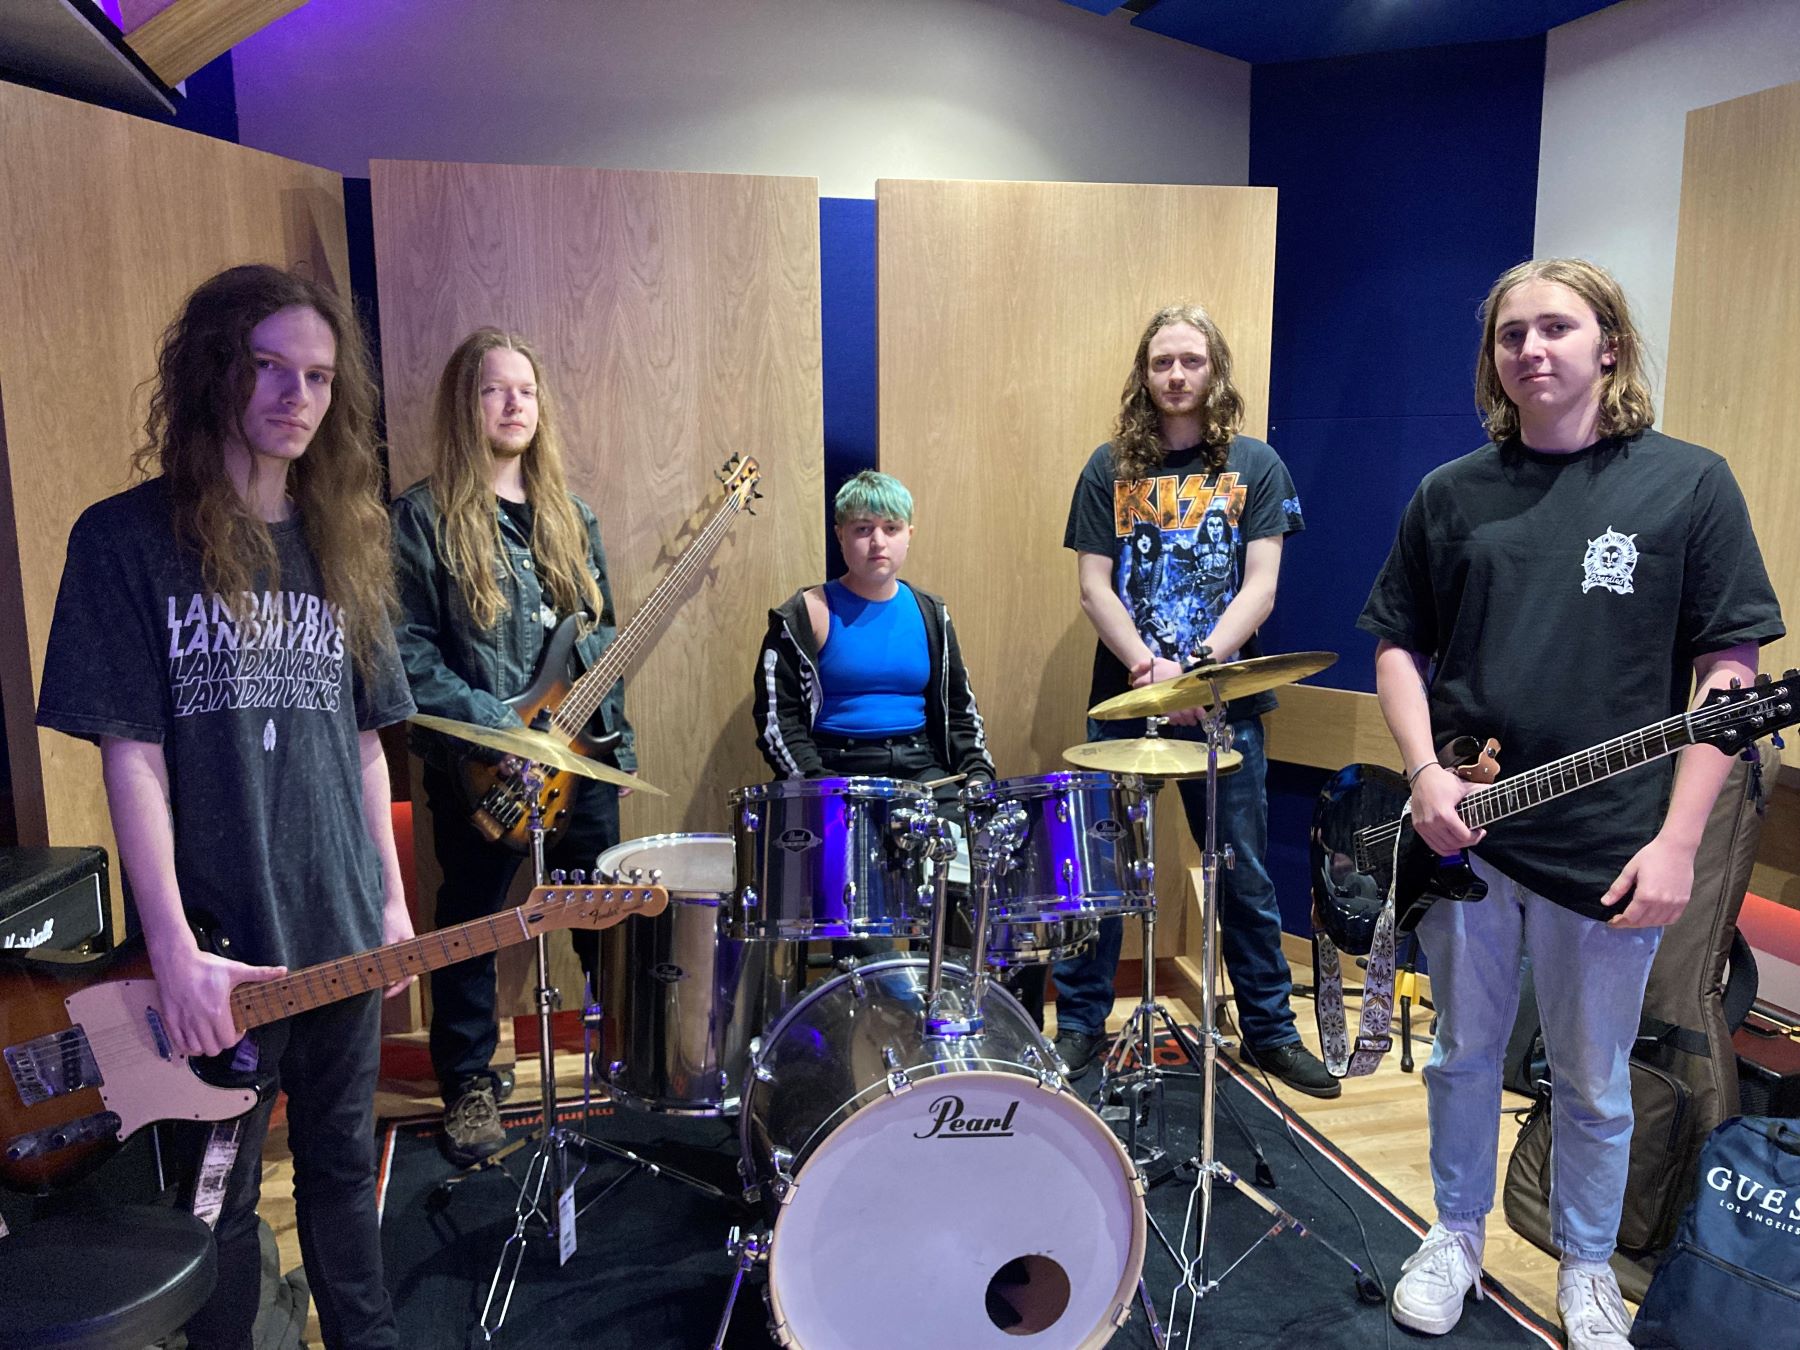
(223, 633)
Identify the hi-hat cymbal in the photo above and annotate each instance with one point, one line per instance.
(537, 746)
(1151, 757)
(1233, 679)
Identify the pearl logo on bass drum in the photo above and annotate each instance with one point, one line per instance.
(948, 1121)
(798, 840)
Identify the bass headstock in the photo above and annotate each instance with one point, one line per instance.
(740, 475)
(1731, 719)
(574, 905)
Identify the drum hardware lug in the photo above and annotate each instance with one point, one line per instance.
(1121, 1314)
(1068, 871)
(898, 1082)
(850, 897)
(858, 986)
(1138, 810)
(747, 897)
(752, 820)
(1062, 810)
(763, 1073)
(1140, 1185)
(1228, 855)
(751, 1248)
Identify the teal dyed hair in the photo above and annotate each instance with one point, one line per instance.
(872, 495)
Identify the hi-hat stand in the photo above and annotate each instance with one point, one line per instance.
(546, 1205)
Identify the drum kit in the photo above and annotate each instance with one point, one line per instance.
(904, 1126)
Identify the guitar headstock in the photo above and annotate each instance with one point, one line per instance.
(560, 905)
(1731, 719)
(740, 475)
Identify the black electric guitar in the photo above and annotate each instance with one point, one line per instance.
(87, 1062)
(497, 798)
(1362, 842)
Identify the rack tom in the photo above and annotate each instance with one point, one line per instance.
(829, 858)
(1085, 852)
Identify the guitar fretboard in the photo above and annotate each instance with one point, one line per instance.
(1582, 769)
(587, 692)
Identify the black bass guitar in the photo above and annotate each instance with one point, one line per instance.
(1363, 842)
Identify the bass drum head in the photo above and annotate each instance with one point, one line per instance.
(969, 1211)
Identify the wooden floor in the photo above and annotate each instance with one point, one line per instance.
(1379, 1121)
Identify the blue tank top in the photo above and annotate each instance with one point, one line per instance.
(874, 666)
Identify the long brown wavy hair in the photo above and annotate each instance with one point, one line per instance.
(205, 374)
(1625, 403)
(1138, 448)
(462, 488)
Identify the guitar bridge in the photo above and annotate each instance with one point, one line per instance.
(52, 1066)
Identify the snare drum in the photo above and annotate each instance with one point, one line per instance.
(692, 998)
(822, 858)
(1085, 852)
(933, 1192)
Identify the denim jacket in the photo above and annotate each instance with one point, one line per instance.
(458, 670)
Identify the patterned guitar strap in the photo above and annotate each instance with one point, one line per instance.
(1376, 1018)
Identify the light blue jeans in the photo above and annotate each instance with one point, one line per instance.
(1590, 988)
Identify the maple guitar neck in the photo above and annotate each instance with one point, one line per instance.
(550, 908)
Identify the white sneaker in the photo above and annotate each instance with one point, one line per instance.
(1435, 1280)
(1593, 1312)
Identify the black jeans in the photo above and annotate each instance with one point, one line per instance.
(477, 877)
(327, 1061)
(912, 757)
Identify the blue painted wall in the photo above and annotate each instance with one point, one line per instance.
(1408, 182)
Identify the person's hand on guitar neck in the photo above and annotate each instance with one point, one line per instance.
(196, 991)
(1436, 793)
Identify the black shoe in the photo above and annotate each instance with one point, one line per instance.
(1077, 1049)
(472, 1128)
(1296, 1066)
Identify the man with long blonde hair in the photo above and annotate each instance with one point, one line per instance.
(1177, 524)
(492, 551)
(1560, 586)
(223, 633)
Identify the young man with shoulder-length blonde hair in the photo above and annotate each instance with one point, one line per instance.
(492, 551)
(1563, 585)
(1177, 524)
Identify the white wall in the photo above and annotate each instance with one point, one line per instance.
(847, 91)
(1618, 86)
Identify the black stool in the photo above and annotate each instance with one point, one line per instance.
(113, 1279)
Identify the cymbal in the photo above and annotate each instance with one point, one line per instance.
(537, 746)
(1151, 757)
(1235, 679)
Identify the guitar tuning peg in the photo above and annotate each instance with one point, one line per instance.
(656, 876)
(558, 877)
(578, 877)
(1736, 683)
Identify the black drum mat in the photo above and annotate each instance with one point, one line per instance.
(651, 1268)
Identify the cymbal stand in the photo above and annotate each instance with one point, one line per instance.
(1195, 1284)
(1129, 1070)
(546, 1199)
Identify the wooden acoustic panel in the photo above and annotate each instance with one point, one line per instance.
(1328, 728)
(1735, 322)
(109, 222)
(1734, 327)
(1010, 314)
(678, 315)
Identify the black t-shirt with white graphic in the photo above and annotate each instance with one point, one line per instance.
(1177, 540)
(257, 717)
(1563, 599)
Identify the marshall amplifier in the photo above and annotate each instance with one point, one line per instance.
(56, 898)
